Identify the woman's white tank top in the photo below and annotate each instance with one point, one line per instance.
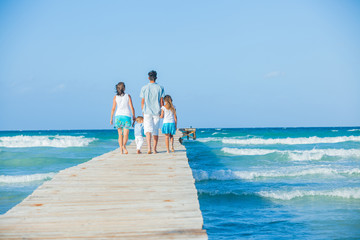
(122, 105)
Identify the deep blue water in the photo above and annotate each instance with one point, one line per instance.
(295, 183)
(268, 183)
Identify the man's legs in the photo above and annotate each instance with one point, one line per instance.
(148, 129)
(156, 121)
(156, 139)
(148, 140)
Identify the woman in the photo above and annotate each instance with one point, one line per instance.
(123, 104)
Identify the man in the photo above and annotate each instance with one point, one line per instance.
(152, 100)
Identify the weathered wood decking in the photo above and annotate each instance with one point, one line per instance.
(113, 196)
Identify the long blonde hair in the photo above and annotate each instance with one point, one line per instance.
(169, 104)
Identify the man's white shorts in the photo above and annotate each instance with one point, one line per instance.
(151, 124)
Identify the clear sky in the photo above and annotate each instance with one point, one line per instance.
(225, 63)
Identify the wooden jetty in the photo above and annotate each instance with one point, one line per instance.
(187, 132)
(113, 196)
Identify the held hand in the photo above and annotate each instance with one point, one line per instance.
(134, 119)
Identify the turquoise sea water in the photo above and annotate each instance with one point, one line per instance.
(268, 183)
(28, 158)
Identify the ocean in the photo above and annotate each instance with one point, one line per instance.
(253, 183)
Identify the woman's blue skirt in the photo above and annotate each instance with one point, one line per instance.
(168, 128)
(122, 121)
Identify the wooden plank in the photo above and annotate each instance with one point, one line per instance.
(113, 196)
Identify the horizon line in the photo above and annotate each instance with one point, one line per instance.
(103, 129)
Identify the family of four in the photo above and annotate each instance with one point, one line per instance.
(155, 105)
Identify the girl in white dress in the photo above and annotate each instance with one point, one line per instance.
(168, 112)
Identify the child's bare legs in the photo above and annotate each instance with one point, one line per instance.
(167, 142)
(172, 142)
(156, 139)
(125, 139)
(120, 139)
(148, 140)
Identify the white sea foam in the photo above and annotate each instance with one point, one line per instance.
(209, 139)
(290, 141)
(247, 151)
(353, 130)
(351, 193)
(334, 130)
(317, 154)
(279, 173)
(216, 139)
(26, 178)
(22, 141)
(297, 155)
(201, 175)
(221, 133)
(285, 141)
(218, 192)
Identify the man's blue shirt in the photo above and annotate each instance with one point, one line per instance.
(152, 93)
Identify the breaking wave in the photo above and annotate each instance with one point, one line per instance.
(285, 141)
(349, 193)
(354, 130)
(247, 151)
(219, 133)
(290, 141)
(22, 141)
(201, 175)
(26, 178)
(297, 155)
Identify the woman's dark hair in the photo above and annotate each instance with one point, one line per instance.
(152, 75)
(120, 89)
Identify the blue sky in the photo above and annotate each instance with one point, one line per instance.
(225, 63)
